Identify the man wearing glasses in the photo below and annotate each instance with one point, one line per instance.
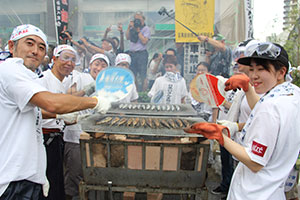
(64, 59)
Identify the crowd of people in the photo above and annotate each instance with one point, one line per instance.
(43, 97)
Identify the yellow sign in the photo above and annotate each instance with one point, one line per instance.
(197, 15)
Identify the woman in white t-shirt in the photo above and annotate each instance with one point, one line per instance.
(171, 87)
(271, 135)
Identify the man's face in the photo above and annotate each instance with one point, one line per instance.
(96, 66)
(32, 49)
(64, 64)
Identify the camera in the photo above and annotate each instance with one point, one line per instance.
(162, 11)
(137, 23)
(64, 36)
(134, 35)
(80, 42)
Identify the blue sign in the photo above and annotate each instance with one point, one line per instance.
(114, 83)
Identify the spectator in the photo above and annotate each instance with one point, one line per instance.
(124, 60)
(170, 88)
(170, 52)
(107, 48)
(218, 56)
(152, 70)
(203, 109)
(119, 44)
(139, 35)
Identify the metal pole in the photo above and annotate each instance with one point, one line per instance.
(55, 22)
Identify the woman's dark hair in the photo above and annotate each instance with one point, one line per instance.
(204, 64)
(155, 56)
(266, 64)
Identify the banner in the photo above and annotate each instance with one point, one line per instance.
(198, 15)
(62, 15)
(249, 19)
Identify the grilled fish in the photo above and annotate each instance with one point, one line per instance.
(149, 122)
(122, 121)
(143, 122)
(156, 122)
(143, 106)
(153, 107)
(134, 106)
(163, 107)
(115, 120)
(121, 105)
(129, 121)
(177, 107)
(168, 107)
(158, 107)
(148, 106)
(179, 123)
(104, 121)
(173, 107)
(135, 121)
(172, 123)
(130, 106)
(138, 106)
(165, 123)
(186, 123)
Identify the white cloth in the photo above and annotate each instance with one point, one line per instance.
(72, 132)
(272, 139)
(132, 96)
(234, 110)
(23, 155)
(223, 111)
(173, 92)
(53, 84)
(245, 110)
(150, 75)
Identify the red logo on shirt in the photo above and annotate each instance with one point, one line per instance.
(258, 149)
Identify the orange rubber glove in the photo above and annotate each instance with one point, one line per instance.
(208, 130)
(239, 81)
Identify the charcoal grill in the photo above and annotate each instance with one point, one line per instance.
(135, 149)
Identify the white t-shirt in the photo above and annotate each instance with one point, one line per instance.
(245, 110)
(53, 84)
(173, 92)
(132, 96)
(272, 139)
(23, 155)
(72, 132)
